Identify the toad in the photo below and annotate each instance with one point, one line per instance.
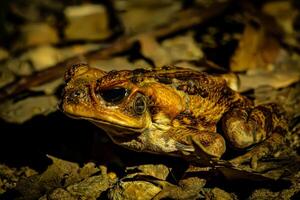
(163, 110)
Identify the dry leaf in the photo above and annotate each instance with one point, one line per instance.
(286, 72)
(274, 79)
(118, 63)
(285, 14)
(4, 54)
(256, 50)
(288, 98)
(159, 171)
(180, 48)
(154, 51)
(183, 48)
(139, 17)
(23, 110)
(87, 21)
(82, 183)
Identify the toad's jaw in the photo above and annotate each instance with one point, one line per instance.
(108, 119)
(101, 123)
(107, 125)
(113, 116)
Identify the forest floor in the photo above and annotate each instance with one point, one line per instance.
(46, 155)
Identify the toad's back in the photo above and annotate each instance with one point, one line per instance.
(206, 97)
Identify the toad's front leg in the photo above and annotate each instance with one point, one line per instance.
(212, 144)
(263, 125)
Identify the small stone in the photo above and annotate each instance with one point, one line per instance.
(43, 57)
(134, 190)
(20, 67)
(6, 76)
(34, 34)
(87, 22)
(37, 59)
(9, 177)
(219, 194)
(3, 54)
(27, 172)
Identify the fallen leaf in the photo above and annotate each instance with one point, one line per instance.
(23, 110)
(286, 71)
(64, 179)
(87, 22)
(139, 17)
(256, 50)
(118, 63)
(274, 79)
(285, 14)
(151, 49)
(183, 48)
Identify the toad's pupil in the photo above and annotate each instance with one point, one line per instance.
(140, 105)
(113, 95)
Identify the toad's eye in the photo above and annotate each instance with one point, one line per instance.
(113, 95)
(140, 105)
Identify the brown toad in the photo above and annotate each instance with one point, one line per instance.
(160, 110)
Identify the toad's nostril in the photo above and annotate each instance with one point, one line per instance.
(76, 96)
(75, 69)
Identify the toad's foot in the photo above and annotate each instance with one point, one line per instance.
(264, 126)
(266, 148)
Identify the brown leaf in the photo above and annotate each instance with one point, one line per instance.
(139, 17)
(151, 49)
(256, 50)
(285, 14)
(183, 48)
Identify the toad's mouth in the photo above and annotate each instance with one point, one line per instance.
(108, 125)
